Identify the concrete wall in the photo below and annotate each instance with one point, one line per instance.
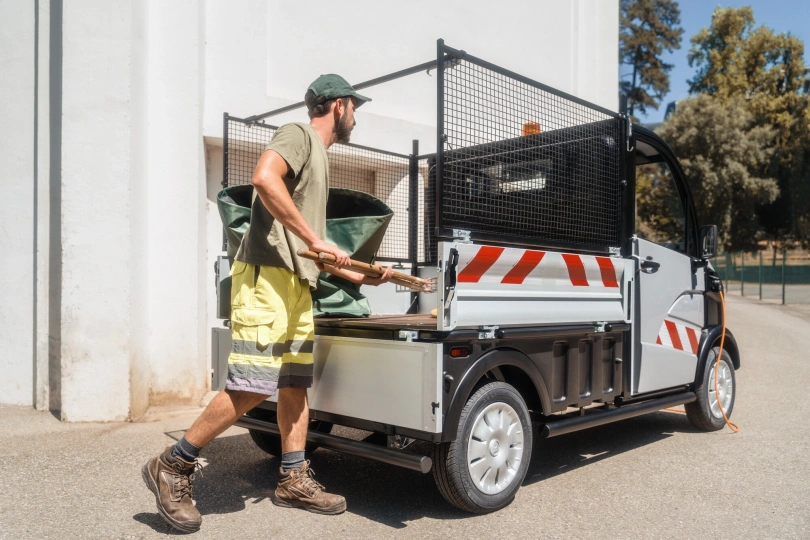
(263, 55)
(175, 208)
(111, 260)
(96, 211)
(134, 332)
(17, 205)
(112, 125)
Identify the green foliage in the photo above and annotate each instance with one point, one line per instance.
(724, 152)
(647, 28)
(735, 59)
(765, 71)
(659, 212)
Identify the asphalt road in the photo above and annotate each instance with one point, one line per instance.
(649, 477)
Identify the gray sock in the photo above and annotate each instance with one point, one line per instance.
(186, 451)
(292, 460)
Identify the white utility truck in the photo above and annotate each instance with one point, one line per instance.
(573, 286)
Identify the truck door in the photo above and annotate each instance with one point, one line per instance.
(669, 307)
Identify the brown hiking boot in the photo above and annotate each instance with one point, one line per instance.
(169, 478)
(297, 489)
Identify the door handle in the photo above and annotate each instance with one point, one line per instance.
(649, 266)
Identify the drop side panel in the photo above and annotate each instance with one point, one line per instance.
(390, 382)
(498, 286)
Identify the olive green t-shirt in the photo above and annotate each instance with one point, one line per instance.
(266, 241)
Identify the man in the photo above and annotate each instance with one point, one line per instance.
(272, 325)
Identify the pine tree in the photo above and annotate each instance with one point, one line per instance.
(647, 28)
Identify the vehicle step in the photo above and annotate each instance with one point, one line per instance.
(399, 458)
(569, 425)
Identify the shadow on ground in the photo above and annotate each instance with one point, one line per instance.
(236, 473)
(566, 453)
(156, 523)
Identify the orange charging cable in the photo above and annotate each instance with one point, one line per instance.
(734, 427)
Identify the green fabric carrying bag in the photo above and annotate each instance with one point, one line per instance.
(355, 222)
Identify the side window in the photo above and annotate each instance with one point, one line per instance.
(660, 217)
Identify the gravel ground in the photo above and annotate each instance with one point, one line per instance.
(648, 477)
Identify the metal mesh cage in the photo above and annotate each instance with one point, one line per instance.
(524, 162)
(385, 175)
(517, 163)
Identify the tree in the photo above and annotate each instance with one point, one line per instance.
(647, 28)
(724, 152)
(736, 60)
(659, 213)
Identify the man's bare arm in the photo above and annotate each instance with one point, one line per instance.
(268, 181)
(357, 277)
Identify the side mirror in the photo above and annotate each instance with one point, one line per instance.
(708, 242)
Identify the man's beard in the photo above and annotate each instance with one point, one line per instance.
(343, 130)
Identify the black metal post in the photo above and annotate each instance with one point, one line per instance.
(413, 219)
(760, 276)
(440, 135)
(742, 273)
(784, 253)
(224, 170)
(726, 277)
(224, 149)
(626, 195)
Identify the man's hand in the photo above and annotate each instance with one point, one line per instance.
(385, 278)
(341, 257)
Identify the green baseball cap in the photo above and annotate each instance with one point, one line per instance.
(332, 86)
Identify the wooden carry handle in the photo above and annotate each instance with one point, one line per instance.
(371, 270)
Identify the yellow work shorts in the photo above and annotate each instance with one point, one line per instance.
(272, 328)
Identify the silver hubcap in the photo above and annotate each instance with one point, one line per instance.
(495, 448)
(726, 387)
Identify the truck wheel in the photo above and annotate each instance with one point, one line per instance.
(270, 443)
(704, 413)
(484, 467)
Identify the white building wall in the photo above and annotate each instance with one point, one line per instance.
(283, 46)
(123, 286)
(96, 211)
(17, 285)
(175, 207)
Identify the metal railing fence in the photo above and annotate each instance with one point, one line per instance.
(780, 276)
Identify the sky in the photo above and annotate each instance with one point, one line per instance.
(789, 16)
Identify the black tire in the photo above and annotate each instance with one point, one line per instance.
(270, 443)
(450, 470)
(699, 412)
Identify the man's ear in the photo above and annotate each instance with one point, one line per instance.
(340, 106)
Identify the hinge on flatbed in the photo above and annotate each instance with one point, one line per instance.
(615, 251)
(408, 335)
(487, 332)
(600, 326)
(462, 236)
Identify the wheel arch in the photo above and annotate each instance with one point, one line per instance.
(711, 339)
(514, 367)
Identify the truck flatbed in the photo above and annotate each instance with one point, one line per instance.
(416, 321)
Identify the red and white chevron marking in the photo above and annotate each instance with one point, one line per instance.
(678, 336)
(490, 264)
